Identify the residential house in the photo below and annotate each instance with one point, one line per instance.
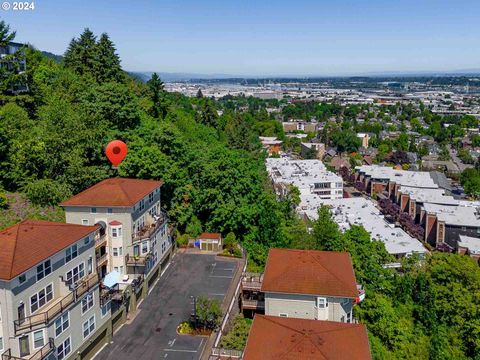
(210, 241)
(272, 338)
(271, 144)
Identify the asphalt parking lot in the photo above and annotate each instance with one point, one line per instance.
(152, 334)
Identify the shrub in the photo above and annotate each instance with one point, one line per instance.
(3, 200)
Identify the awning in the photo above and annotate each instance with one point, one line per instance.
(111, 279)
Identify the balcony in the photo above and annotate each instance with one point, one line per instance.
(102, 259)
(100, 240)
(136, 260)
(108, 294)
(39, 355)
(56, 307)
(252, 281)
(253, 304)
(138, 282)
(148, 230)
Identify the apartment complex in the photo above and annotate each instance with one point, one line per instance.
(128, 212)
(12, 59)
(51, 305)
(305, 284)
(273, 338)
(309, 176)
(303, 126)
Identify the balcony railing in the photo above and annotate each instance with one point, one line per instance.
(107, 294)
(101, 259)
(100, 240)
(148, 230)
(57, 308)
(138, 282)
(136, 260)
(252, 281)
(39, 355)
(253, 304)
(219, 353)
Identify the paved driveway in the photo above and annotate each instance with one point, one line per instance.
(152, 334)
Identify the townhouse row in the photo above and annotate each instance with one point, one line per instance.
(65, 287)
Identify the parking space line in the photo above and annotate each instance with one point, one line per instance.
(181, 350)
(221, 276)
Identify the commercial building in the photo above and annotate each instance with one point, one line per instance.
(51, 304)
(273, 338)
(306, 127)
(13, 60)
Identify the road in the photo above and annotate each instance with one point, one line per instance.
(457, 160)
(152, 334)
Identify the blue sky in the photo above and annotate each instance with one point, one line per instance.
(273, 37)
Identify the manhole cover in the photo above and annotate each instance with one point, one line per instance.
(158, 329)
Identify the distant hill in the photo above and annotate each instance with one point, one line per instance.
(169, 77)
(54, 57)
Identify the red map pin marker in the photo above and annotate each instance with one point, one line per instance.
(116, 151)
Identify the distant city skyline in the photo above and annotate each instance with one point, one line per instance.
(302, 38)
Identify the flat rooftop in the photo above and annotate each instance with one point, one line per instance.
(427, 195)
(301, 173)
(471, 243)
(420, 179)
(455, 215)
(360, 211)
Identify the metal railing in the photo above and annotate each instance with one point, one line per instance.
(229, 353)
(138, 282)
(45, 317)
(148, 230)
(39, 355)
(253, 304)
(252, 281)
(101, 259)
(107, 294)
(136, 260)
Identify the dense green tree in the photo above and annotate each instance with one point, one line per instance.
(82, 54)
(108, 62)
(156, 90)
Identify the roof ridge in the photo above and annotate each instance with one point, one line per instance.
(335, 276)
(15, 248)
(269, 318)
(304, 337)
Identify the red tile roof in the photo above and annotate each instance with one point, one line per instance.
(27, 243)
(113, 192)
(115, 223)
(278, 338)
(210, 236)
(310, 272)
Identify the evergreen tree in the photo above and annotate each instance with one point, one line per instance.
(199, 94)
(81, 55)
(5, 35)
(108, 62)
(156, 87)
(7, 63)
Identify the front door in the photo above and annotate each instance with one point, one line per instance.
(24, 346)
(21, 312)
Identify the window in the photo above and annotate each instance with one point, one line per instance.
(121, 270)
(283, 315)
(44, 269)
(75, 274)
(109, 211)
(72, 253)
(88, 326)
(41, 298)
(464, 228)
(322, 303)
(120, 251)
(86, 241)
(64, 349)
(150, 197)
(1, 343)
(144, 247)
(114, 232)
(93, 210)
(22, 278)
(87, 303)
(349, 317)
(62, 324)
(84, 221)
(119, 230)
(115, 268)
(115, 251)
(38, 340)
(105, 309)
(142, 204)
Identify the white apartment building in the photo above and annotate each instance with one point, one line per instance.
(309, 176)
(50, 303)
